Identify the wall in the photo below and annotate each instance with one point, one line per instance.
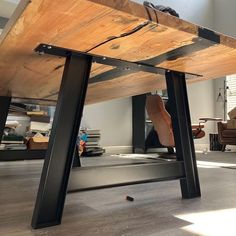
(224, 22)
(201, 102)
(114, 117)
(224, 16)
(7, 7)
(199, 12)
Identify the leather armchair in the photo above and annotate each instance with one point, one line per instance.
(226, 136)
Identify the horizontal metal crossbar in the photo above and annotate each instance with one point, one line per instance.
(15, 155)
(122, 65)
(197, 44)
(88, 178)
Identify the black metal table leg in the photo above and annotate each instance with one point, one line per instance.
(181, 122)
(58, 161)
(4, 108)
(138, 123)
(76, 159)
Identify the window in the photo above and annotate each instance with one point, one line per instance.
(231, 92)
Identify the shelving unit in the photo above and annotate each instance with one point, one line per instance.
(15, 111)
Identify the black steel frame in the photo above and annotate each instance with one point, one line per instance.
(57, 166)
(5, 105)
(138, 123)
(89, 178)
(19, 155)
(34, 154)
(181, 122)
(58, 161)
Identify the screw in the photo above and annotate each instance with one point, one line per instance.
(40, 52)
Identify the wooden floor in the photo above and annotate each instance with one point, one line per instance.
(157, 208)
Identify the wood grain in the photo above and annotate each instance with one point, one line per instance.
(119, 29)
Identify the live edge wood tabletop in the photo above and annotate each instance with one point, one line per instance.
(118, 29)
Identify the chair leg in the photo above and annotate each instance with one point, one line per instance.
(170, 150)
(223, 147)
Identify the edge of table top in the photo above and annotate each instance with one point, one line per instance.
(136, 10)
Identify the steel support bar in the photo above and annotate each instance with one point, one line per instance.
(87, 178)
(122, 65)
(4, 106)
(76, 159)
(181, 123)
(58, 161)
(138, 123)
(17, 155)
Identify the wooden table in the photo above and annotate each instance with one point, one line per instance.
(105, 50)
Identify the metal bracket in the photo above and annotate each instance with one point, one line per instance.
(123, 67)
(209, 35)
(205, 40)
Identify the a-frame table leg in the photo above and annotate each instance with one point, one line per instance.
(58, 161)
(181, 123)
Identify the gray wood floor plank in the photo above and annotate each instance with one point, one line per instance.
(104, 212)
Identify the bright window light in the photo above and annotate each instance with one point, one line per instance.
(208, 164)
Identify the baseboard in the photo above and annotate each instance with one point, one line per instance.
(201, 146)
(118, 149)
(129, 149)
(206, 147)
(231, 148)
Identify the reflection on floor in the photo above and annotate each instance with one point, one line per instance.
(157, 209)
(211, 223)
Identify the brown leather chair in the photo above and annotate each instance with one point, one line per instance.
(226, 136)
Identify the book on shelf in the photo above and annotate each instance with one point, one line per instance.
(42, 119)
(97, 151)
(12, 142)
(94, 136)
(36, 113)
(15, 147)
(93, 139)
(88, 143)
(39, 126)
(92, 131)
(17, 107)
(12, 124)
(15, 139)
(91, 146)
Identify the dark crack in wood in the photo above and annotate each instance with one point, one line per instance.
(134, 30)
